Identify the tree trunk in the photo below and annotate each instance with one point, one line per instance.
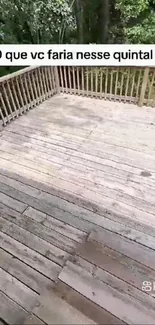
(104, 20)
(79, 20)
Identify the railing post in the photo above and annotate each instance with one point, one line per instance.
(144, 86)
(57, 80)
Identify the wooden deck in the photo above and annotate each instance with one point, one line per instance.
(77, 214)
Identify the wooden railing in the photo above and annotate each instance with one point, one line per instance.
(24, 89)
(126, 84)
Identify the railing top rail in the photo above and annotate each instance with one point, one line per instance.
(17, 73)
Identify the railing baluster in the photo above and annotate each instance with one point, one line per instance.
(116, 83)
(74, 84)
(54, 80)
(69, 80)
(31, 88)
(127, 85)
(111, 83)
(4, 108)
(38, 86)
(121, 86)
(34, 86)
(22, 106)
(65, 80)
(24, 93)
(83, 85)
(96, 82)
(150, 87)
(87, 81)
(46, 83)
(138, 84)
(27, 90)
(106, 83)
(15, 95)
(2, 117)
(144, 86)
(132, 86)
(61, 80)
(78, 81)
(50, 81)
(92, 81)
(10, 94)
(7, 100)
(41, 85)
(101, 82)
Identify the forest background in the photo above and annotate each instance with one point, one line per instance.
(76, 22)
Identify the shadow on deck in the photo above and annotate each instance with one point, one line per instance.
(77, 205)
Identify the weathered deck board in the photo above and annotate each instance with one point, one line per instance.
(87, 307)
(24, 273)
(117, 302)
(116, 263)
(71, 167)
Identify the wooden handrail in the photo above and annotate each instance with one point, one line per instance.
(22, 90)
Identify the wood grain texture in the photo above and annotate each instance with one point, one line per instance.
(116, 263)
(120, 304)
(87, 307)
(77, 203)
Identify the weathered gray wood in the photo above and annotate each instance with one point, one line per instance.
(144, 85)
(24, 273)
(54, 310)
(116, 263)
(33, 320)
(13, 314)
(139, 253)
(101, 221)
(60, 215)
(116, 283)
(27, 238)
(118, 303)
(17, 291)
(44, 183)
(52, 223)
(87, 307)
(87, 193)
(106, 151)
(12, 203)
(10, 311)
(32, 258)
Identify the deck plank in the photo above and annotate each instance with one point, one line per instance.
(87, 307)
(34, 242)
(116, 263)
(24, 273)
(46, 184)
(101, 221)
(17, 291)
(116, 283)
(13, 314)
(49, 235)
(71, 167)
(121, 305)
(135, 251)
(54, 310)
(32, 258)
(92, 193)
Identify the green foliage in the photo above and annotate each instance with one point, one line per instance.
(34, 21)
(73, 21)
(131, 8)
(138, 19)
